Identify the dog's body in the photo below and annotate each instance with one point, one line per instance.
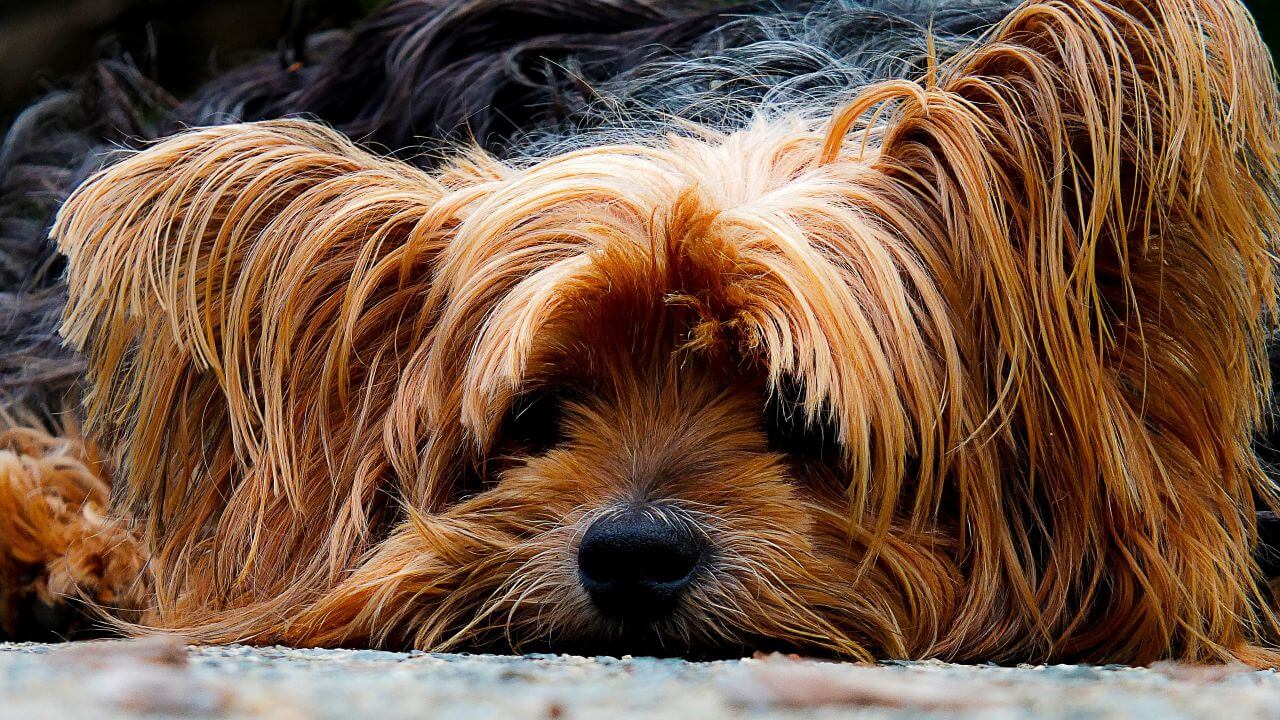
(961, 365)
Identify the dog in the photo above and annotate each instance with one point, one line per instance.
(413, 78)
(962, 366)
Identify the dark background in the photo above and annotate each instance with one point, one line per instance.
(44, 42)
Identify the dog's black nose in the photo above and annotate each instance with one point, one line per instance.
(635, 565)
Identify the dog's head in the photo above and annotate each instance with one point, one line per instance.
(674, 365)
(879, 385)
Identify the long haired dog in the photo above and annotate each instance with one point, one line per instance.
(522, 78)
(967, 368)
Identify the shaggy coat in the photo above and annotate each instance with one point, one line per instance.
(967, 368)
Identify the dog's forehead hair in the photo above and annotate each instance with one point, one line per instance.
(741, 244)
(642, 375)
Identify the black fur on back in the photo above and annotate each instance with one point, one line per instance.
(50, 147)
(806, 58)
(439, 71)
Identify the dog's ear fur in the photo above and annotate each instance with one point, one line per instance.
(1102, 173)
(246, 298)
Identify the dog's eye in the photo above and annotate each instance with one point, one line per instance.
(789, 433)
(535, 422)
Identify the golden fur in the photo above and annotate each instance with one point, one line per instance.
(56, 539)
(1028, 295)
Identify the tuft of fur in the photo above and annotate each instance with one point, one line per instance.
(1028, 294)
(57, 541)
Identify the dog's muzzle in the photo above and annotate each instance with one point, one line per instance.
(636, 564)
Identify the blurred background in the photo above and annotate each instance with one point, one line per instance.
(1267, 13)
(177, 42)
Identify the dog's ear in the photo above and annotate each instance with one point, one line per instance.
(1094, 188)
(246, 298)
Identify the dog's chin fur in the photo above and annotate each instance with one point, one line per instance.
(969, 369)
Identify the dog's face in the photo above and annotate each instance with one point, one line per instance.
(659, 515)
(669, 507)
(657, 388)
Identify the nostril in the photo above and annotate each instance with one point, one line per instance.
(665, 563)
(636, 564)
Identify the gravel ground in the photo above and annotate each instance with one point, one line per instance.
(164, 678)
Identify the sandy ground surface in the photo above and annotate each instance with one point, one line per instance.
(164, 678)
